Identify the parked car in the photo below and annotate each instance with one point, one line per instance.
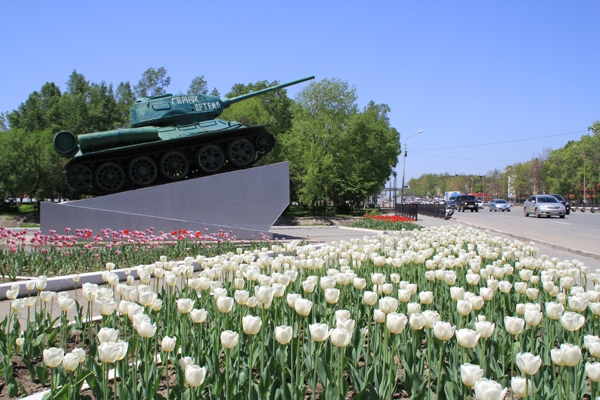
(480, 204)
(563, 202)
(543, 204)
(499, 205)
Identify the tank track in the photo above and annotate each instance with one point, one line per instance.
(158, 163)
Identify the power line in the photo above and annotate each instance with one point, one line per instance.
(496, 143)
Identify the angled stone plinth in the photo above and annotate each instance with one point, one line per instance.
(242, 203)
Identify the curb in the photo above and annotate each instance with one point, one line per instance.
(64, 283)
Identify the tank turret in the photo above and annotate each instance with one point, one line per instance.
(171, 138)
(167, 109)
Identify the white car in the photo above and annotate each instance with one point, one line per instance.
(543, 204)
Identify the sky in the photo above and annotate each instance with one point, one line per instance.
(489, 83)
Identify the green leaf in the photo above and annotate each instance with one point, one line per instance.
(12, 390)
(324, 372)
(368, 393)
(42, 374)
(450, 389)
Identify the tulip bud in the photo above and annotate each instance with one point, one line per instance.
(146, 329)
(198, 316)
(444, 331)
(251, 324)
(518, 387)
(303, 307)
(283, 334)
(185, 361)
(464, 307)
(488, 389)
(370, 298)
(194, 375)
(416, 321)
(396, 322)
(528, 363)
(485, 328)
(340, 337)
(572, 321)
(332, 295)
(514, 325)
(108, 335)
(388, 305)
(379, 316)
(593, 371)
(467, 338)
(426, 297)
(229, 339)
(53, 357)
(168, 344)
(70, 362)
(470, 373)
(184, 305)
(319, 332)
(224, 304)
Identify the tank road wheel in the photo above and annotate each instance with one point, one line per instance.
(241, 152)
(174, 165)
(79, 177)
(264, 142)
(110, 177)
(210, 158)
(143, 171)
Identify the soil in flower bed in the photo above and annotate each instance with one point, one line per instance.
(23, 378)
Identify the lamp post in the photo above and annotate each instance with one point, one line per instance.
(404, 165)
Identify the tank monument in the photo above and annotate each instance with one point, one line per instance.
(176, 167)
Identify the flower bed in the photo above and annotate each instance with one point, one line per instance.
(444, 310)
(386, 223)
(86, 251)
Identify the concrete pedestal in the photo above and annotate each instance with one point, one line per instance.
(242, 203)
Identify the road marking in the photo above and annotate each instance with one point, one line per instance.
(562, 223)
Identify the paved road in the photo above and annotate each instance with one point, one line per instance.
(578, 232)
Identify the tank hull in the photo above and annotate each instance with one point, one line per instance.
(181, 152)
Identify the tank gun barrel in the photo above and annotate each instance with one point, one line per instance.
(227, 102)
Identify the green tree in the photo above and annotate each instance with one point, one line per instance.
(102, 108)
(272, 109)
(41, 110)
(125, 99)
(29, 165)
(338, 154)
(3, 122)
(323, 109)
(74, 104)
(198, 86)
(364, 155)
(153, 83)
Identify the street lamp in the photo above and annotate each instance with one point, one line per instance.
(404, 166)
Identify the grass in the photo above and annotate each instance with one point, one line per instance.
(29, 225)
(22, 210)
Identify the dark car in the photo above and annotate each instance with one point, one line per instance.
(451, 203)
(563, 202)
(467, 202)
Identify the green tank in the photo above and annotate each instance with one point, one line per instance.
(171, 138)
